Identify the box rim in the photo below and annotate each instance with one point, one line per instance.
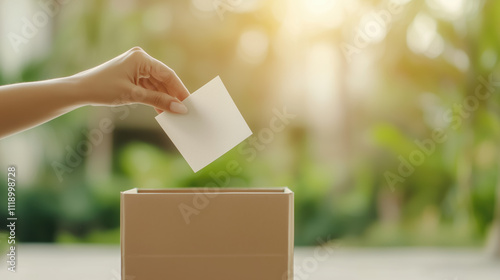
(200, 190)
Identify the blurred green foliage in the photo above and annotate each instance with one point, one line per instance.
(449, 200)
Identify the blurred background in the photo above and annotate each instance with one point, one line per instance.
(391, 139)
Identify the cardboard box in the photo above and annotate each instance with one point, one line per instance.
(219, 234)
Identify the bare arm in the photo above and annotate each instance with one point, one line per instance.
(26, 105)
(133, 77)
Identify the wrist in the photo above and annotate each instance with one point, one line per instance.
(76, 90)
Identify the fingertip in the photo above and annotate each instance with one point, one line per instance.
(178, 108)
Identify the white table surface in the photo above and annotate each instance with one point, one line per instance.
(86, 262)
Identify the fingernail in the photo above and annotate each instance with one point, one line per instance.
(178, 107)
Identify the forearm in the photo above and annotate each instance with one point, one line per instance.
(133, 77)
(26, 105)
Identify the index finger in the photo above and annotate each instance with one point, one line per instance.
(169, 78)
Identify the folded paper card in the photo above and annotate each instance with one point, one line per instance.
(212, 126)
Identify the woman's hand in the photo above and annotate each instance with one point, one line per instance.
(133, 77)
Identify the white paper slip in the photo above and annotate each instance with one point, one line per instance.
(212, 126)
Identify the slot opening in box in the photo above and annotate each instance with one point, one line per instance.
(207, 190)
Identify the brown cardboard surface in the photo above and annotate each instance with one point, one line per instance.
(235, 234)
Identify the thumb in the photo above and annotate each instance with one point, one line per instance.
(159, 100)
